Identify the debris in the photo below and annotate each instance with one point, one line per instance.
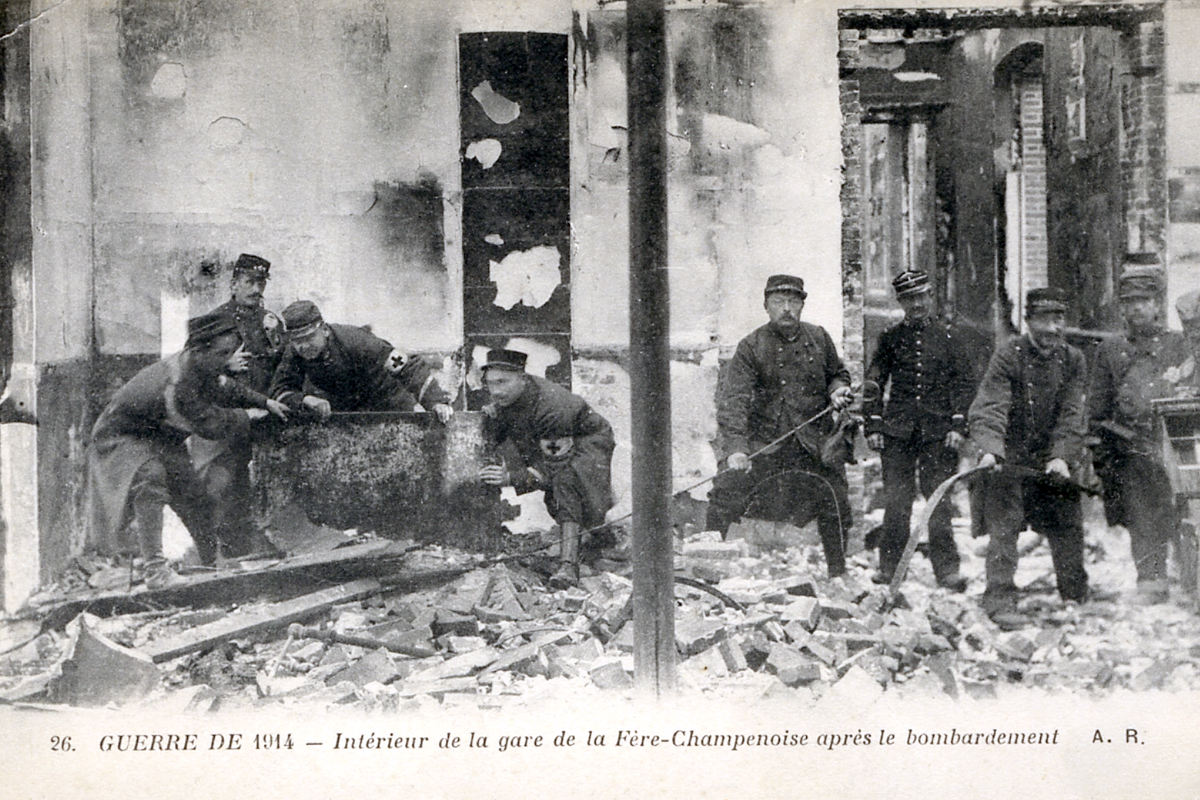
(610, 673)
(375, 667)
(394, 645)
(97, 671)
(790, 666)
(694, 634)
(275, 615)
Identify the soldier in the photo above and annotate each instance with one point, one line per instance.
(782, 374)
(921, 427)
(225, 464)
(138, 461)
(565, 449)
(351, 368)
(1029, 413)
(1188, 307)
(1130, 372)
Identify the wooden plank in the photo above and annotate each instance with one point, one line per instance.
(275, 615)
(227, 586)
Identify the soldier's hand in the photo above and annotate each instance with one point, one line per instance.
(1056, 466)
(278, 409)
(256, 414)
(318, 405)
(738, 461)
(444, 412)
(989, 461)
(954, 440)
(494, 475)
(875, 441)
(239, 361)
(841, 398)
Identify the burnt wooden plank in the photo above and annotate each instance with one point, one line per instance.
(244, 623)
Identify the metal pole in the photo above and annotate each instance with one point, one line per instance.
(649, 332)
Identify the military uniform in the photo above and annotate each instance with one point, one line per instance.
(1027, 412)
(353, 374)
(772, 384)
(138, 460)
(225, 464)
(932, 381)
(1130, 372)
(577, 481)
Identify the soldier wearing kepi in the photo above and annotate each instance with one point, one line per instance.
(1029, 413)
(138, 461)
(921, 426)
(351, 369)
(225, 464)
(782, 374)
(1130, 372)
(565, 447)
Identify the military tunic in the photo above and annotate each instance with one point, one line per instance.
(928, 366)
(138, 460)
(224, 465)
(1027, 412)
(1130, 372)
(353, 374)
(772, 384)
(565, 448)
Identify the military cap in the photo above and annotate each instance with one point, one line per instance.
(253, 265)
(910, 282)
(302, 318)
(1188, 307)
(1045, 299)
(206, 327)
(513, 360)
(785, 283)
(1140, 281)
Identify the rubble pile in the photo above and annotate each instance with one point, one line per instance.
(755, 615)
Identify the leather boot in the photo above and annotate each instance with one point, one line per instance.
(567, 574)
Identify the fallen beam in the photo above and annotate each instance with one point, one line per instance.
(275, 615)
(287, 576)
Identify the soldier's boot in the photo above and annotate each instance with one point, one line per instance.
(567, 574)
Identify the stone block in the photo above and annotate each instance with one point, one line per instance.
(694, 633)
(735, 659)
(374, 667)
(790, 666)
(610, 674)
(708, 663)
(447, 621)
(805, 610)
(715, 551)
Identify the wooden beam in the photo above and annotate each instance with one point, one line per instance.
(649, 356)
(244, 623)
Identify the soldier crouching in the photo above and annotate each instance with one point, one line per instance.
(565, 447)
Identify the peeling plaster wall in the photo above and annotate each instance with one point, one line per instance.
(311, 133)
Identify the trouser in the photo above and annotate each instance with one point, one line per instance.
(1008, 503)
(787, 485)
(227, 483)
(904, 462)
(1138, 495)
(169, 479)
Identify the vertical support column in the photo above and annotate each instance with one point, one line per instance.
(19, 562)
(649, 340)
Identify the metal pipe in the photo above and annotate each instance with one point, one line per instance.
(649, 337)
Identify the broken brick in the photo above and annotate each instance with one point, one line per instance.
(610, 674)
(447, 621)
(792, 668)
(721, 551)
(694, 633)
(375, 666)
(805, 610)
(735, 659)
